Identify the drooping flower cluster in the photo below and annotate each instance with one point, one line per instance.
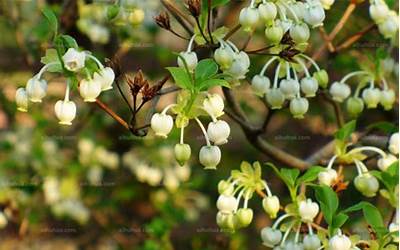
(241, 186)
(90, 86)
(287, 85)
(365, 182)
(386, 19)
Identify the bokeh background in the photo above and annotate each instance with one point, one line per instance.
(94, 185)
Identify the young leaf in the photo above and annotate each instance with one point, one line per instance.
(290, 175)
(338, 220)
(205, 85)
(49, 57)
(345, 132)
(328, 201)
(310, 175)
(205, 69)
(386, 127)
(51, 18)
(69, 41)
(181, 77)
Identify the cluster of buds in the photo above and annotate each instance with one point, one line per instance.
(154, 173)
(217, 132)
(386, 19)
(371, 95)
(278, 238)
(89, 87)
(280, 17)
(365, 182)
(242, 185)
(290, 87)
(232, 62)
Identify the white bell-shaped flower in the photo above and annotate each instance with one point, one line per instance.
(378, 11)
(161, 124)
(182, 153)
(89, 89)
(314, 14)
(36, 89)
(388, 97)
(224, 56)
(260, 84)
(218, 132)
(289, 87)
(340, 242)
(300, 33)
(326, 4)
(226, 203)
(190, 58)
(309, 86)
(106, 77)
(153, 176)
(74, 60)
(298, 107)
(327, 176)
(385, 162)
(275, 98)
(274, 34)
(299, 8)
(394, 143)
(367, 184)
(21, 99)
(291, 245)
(311, 242)
(388, 65)
(285, 24)
(354, 105)
(339, 91)
(371, 97)
(271, 205)
(65, 111)
(214, 105)
(267, 11)
(308, 210)
(390, 25)
(270, 236)
(240, 66)
(248, 18)
(210, 156)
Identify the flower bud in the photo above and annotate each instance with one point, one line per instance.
(389, 27)
(226, 203)
(275, 98)
(284, 24)
(339, 91)
(225, 187)
(153, 176)
(182, 172)
(3, 220)
(170, 180)
(244, 216)
(300, 33)
(311, 242)
(218, 132)
(225, 220)
(65, 111)
(308, 210)
(267, 11)
(289, 88)
(388, 97)
(21, 98)
(98, 33)
(240, 66)
(248, 18)
(355, 106)
(327, 177)
(271, 206)
(74, 60)
(314, 14)
(371, 97)
(224, 57)
(89, 89)
(299, 8)
(291, 245)
(388, 65)
(298, 107)
(136, 16)
(260, 84)
(274, 34)
(162, 124)
(190, 59)
(270, 236)
(182, 153)
(210, 156)
(385, 162)
(214, 105)
(367, 184)
(339, 242)
(378, 11)
(394, 143)
(36, 89)
(326, 4)
(309, 86)
(106, 78)
(322, 78)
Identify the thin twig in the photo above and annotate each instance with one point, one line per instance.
(180, 17)
(354, 38)
(201, 30)
(232, 32)
(109, 111)
(209, 28)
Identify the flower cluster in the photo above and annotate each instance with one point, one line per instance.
(156, 172)
(92, 22)
(386, 19)
(217, 132)
(371, 95)
(90, 86)
(242, 185)
(287, 85)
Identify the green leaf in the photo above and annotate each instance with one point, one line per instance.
(181, 77)
(328, 201)
(69, 42)
(338, 220)
(345, 132)
(51, 18)
(49, 57)
(310, 175)
(205, 69)
(386, 127)
(291, 175)
(205, 85)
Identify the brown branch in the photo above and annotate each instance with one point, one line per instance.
(232, 31)
(209, 21)
(109, 111)
(354, 38)
(180, 17)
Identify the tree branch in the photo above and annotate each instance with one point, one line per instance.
(109, 111)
